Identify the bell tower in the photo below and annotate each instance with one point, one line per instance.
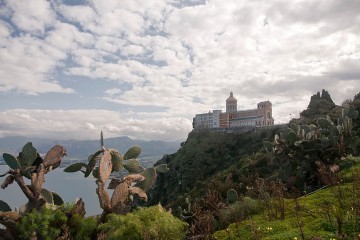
(231, 103)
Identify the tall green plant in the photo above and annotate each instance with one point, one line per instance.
(135, 184)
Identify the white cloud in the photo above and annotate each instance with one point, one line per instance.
(4, 31)
(32, 16)
(25, 65)
(132, 50)
(183, 57)
(69, 124)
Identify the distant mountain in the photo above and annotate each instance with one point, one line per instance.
(80, 150)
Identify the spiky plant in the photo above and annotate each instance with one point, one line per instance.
(301, 151)
(31, 165)
(135, 184)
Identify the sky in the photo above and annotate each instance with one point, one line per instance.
(143, 69)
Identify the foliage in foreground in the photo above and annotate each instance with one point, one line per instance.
(146, 223)
(63, 222)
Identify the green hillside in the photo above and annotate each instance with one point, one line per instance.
(267, 170)
(295, 181)
(317, 216)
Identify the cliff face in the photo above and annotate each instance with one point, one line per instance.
(201, 157)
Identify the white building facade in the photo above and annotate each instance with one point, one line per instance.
(232, 118)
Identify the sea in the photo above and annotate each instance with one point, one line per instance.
(69, 186)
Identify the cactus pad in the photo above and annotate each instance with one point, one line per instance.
(54, 156)
(121, 194)
(11, 161)
(75, 167)
(92, 161)
(150, 178)
(134, 178)
(324, 122)
(139, 192)
(231, 196)
(117, 160)
(8, 180)
(57, 199)
(28, 154)
(132, 152)
(306, 128)
(47, 196)
(132, 165)
(162, 168)
(95, 172)
(105, 167)
(114, 183)
(291, 137)
(4, 207)
(104, 198)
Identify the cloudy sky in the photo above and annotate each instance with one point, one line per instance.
(143, 69)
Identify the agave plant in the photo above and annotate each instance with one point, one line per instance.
(135, 184)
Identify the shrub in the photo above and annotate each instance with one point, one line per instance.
(146, 223)
(44, 224)
(82, 228)
(239, 211)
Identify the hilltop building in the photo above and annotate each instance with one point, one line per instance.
(232, 118)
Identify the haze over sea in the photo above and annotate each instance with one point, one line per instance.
(68, 185)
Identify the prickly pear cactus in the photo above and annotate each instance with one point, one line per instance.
(105, 161)
(53, 156)
(28, 154)
(105, 167)
(92, 162)
(75, 167)
(31, 165)
(296, 149)
(11, 161)
(231, 196)
(116, 159)
(133, 152)
(4, 207)
(150, 178)
(133, 166)
(162, 168)
(120, 195)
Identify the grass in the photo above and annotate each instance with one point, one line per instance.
(318, 215)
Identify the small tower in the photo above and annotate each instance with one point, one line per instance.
(231, 103)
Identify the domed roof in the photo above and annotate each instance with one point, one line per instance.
(231, 98)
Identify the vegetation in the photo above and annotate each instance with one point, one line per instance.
(302, 152)
(44, 217)
(320, 105)
(301, 181)
(303, 157)
(145, 223)
(31, 165)
(331, 213)
(110, 161)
